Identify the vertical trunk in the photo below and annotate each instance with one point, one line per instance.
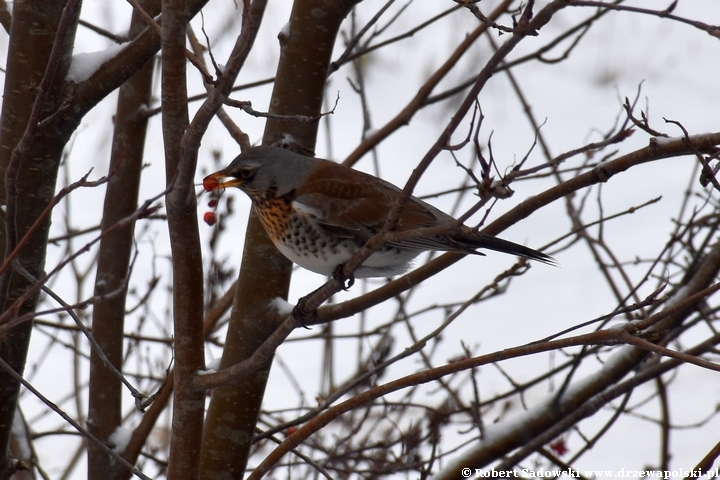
(32, 34)
(188, 406)
(116, 248)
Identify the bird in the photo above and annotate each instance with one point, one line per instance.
(319, 213)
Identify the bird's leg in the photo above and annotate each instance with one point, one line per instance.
(305, 309)
(345, 281)
(302, 312)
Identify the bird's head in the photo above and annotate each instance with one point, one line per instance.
(261, 171)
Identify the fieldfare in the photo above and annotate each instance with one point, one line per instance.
(320, 213)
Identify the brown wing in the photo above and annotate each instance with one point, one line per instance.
(349, 203)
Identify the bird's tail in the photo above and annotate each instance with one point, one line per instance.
(482, 240)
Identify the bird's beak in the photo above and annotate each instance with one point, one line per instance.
(219, 180)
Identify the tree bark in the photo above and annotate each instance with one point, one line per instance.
(115, 253)
(32, 36)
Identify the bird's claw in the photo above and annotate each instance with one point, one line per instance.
(339, 276)
(300, 312)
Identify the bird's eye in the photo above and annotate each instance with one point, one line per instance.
(245, 173)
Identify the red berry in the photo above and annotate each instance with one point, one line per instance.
(210, 218)
(559, 446)
(213, 203)
(210, 183)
